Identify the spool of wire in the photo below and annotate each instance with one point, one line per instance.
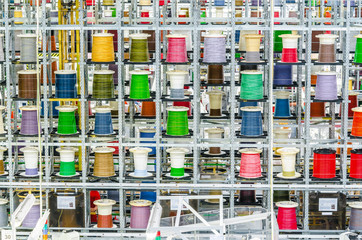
(356, 164)
(326, 88)
(2, 166)
(67, 165)
(103, 49)
(219, 2)
(139, 48)
(355, 222)
(140, 159)
(108, 2)
(29, 120)
(252, 42)
(251, 124)
(104, 210)
(242, 42)
(140, 213)
(177, 80)
(4, 217)
(148, 133)
(353, 102)
(357, 122)
(278, 41)
(282, 105)
(177, 52)
(28, 46)
(283, 75)
(65, 84)
(290, 45)
(151, 39)
(287, 217)
(251, 85)
(324, 163)
(215, 103)
(148, 109)
(177, 121)
(31, 160)
(114, 67)
(67, 124)
(214, 133)
(103, 85)
(103, 121)
(317, 109)
(214, 48)
(358, 51)
(215, 74)
(247, 104)
(250, 163)
(177, 156)
(33, 215)
(103, 162)
(139, 85)
(288, 156)
(327, 50)
(27, 84)
(145, 2)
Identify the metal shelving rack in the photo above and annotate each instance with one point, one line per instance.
(306, 24)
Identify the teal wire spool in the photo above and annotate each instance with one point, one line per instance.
(251, 85)
(103, 85)
(66, 121)
(358, 51)
(139, 47)
(177, 122)
(139, 85)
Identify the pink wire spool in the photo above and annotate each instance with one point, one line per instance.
(177, 52)
(250, 163)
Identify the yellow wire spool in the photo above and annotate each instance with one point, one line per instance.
(102, 50)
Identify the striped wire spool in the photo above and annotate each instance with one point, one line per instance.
(103, 85)
(250, 163)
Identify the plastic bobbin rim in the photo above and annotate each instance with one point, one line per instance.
(358, 36)
(176, 36)
(103, 72)
(103, 109)
(357, 109)
(214, 130)
(3, 149)
(177, 108)
(290, 36)
(29, 149)
(215, 35)
(29, 108)
(27, 35)
(251, 109)
(326, 73)
(282, 130)
(67, 149)
(139, 35)
(253, 35)
(65, 72)
(66, 108)
(103, 35)
(147, 130)
(177, 72)
(140, 150)
(251, 72)
(177, 150)
(287, 204)
(288, 151)
(140, 203)
(282, 94)
(215, 92)
(139, 72)
(357, 205)
(2, 108)
(3, 201)
(250, 150)
(104, 150)
(104, 202)
(27, 72)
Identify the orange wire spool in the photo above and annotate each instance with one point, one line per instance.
(103, 50)
(148, 109)
(357, 122)
(317, 109)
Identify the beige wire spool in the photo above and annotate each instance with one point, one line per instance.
(103, 162)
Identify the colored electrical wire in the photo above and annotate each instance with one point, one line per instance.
(251, 85)
(250, 163)
(214, 49)
(103, 49)
(103, 84)
(103, 162)
(251, 123)
(324, 163)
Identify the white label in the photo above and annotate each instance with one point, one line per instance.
(328, 204)
(175, 203)
(327, 213)
(7, 235)
(65, 202)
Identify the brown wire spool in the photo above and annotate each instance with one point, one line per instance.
(317, 109)
(215, 74)
(27, 84)
(151, 39)
(148, 109)
(103, 162)
(315, 40)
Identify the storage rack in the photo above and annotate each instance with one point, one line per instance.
(344, 25)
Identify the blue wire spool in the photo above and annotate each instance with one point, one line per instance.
(148, 133)
(219, 3)
(283, 75)
(103, 121)
(251, 124)
(65, 84)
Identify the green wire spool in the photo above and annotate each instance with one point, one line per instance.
(278, 41)
(251, 85)
(139, 47)
(67, 165)
(177, 122)
(103, 85)
(66, 121)
(358, 51)
(139, 85)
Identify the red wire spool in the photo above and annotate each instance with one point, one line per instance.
(355, 170)
(287, 217)
(353, 102)
(357, 122)
(250, 163)
(324, 164)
